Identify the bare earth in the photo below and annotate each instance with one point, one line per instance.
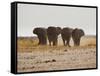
(32, 57)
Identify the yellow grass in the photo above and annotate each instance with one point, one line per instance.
(32, 43)
(34, 57)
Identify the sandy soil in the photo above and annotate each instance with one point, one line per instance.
(32, 57)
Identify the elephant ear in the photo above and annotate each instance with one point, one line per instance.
(71, 30)
(58, 30)
(82, 32)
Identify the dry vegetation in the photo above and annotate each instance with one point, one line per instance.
(32, 57)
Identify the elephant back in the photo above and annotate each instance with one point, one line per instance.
(77, 33)
(52, 31)
(66, 31)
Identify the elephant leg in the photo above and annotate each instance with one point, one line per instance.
(75, 41)
(68, 40)
(41, 40)
(44, 42)
(78, 43)
(54, 43)
(64, 42)
(55, 40)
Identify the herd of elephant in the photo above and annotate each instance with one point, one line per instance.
(51, 33)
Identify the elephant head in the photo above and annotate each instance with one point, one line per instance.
(66, 35)
(53, 33)
(42, 35)
(81, 32)
(76, 35)
(36, 31)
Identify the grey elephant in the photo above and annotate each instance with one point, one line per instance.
(42, 35)
(66, 34)
(52, 33)
(76, 35)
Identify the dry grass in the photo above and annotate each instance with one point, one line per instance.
(32, 57)
(32, 43)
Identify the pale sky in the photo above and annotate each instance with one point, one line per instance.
(31, 16)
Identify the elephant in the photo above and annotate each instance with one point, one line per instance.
(66, 34)
(42, 35)
(52, 33)
(76, 36)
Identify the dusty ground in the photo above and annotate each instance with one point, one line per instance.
(32, 57)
